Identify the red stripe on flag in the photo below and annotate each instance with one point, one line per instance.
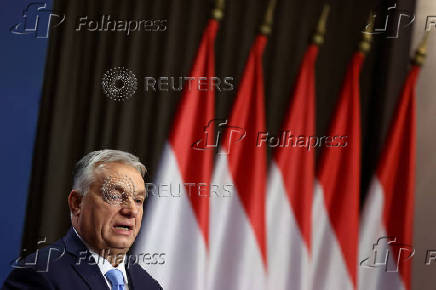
(339, 172)
(396, 172)
(196, 109)
(296, 163)
(247, 161)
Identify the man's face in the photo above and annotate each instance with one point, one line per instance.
(110, 213)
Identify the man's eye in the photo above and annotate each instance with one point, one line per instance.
(116, 196)
(139, 200)
(113, 195)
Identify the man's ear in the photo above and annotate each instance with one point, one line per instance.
(74, 202)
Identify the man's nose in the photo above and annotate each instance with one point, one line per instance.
(129, 208)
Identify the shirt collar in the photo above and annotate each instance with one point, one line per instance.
(104, 264)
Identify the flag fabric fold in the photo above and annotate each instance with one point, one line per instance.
(176, 217)
(290, 188)
(238, 248)
(295, 227)
(387, 217)
(336, 195)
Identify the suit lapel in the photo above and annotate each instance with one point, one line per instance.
(134, 275)
(92, 275)
(85, 265)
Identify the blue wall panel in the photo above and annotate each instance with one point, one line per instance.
(21, 76)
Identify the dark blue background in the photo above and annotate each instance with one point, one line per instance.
(21, 77)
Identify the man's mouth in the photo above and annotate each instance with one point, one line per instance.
(124, 227)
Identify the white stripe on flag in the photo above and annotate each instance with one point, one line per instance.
(371, 230)
(288, 256)
(235, 258)
(330, 271)
(170, 227)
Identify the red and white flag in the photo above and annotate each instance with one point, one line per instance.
(290, 187)
(336, 199)
(238, 248)
(176, 217)
(386, 229)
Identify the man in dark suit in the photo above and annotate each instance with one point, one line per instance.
(106, 205)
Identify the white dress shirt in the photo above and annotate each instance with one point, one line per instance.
(105, 266)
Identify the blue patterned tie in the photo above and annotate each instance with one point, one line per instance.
(115, 276)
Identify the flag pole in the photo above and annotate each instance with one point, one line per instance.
(218, 10)
(266, 26)
(421, 51)
(365, 43)
(318, 37)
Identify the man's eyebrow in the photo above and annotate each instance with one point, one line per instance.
(141, 192)
(119, 187)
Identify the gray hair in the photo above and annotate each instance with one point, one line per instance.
(84, 170)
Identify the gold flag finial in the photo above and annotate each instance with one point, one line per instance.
(266, 26)
(365, 43)
(218, 10)
(318, 37)
(421, 51)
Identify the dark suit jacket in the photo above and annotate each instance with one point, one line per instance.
(67, 264)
